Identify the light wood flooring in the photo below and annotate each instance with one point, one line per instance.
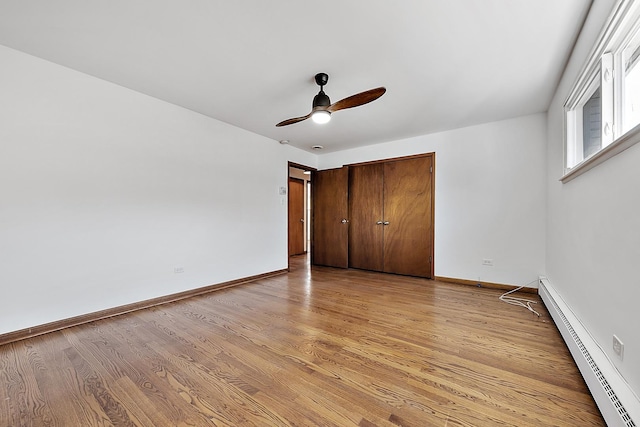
(318, 347)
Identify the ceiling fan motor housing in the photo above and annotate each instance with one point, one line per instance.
(321, 100)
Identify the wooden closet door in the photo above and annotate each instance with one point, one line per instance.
(366, 217)
(330, 235)
(408, 210)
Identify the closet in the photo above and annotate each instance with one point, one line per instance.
(389, 216)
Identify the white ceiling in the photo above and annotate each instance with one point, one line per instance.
(446, 64)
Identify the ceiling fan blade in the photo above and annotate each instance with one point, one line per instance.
(357, 99)
(292, 121)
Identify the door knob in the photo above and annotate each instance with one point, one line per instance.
(344, 221)
(301, 219)
(379, 223)
(386, 223)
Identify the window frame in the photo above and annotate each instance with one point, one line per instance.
(603, 63)
(574, 118)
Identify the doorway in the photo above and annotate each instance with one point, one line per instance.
(299, 209)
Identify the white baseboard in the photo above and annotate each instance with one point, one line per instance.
(617, 402)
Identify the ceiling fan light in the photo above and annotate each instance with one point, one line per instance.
(321, 116)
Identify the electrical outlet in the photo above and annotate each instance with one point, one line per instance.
(618, 347)
(178, 270)
(488, 262)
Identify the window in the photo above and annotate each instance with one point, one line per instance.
(602, 112)
(592, 124)
(585, 123)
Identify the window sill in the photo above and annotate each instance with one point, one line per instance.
(627, 140)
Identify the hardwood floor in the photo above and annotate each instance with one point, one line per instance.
(325, 347)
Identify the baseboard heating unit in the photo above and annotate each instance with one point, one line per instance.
(616, 400)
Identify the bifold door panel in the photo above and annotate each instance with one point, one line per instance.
(330, 236)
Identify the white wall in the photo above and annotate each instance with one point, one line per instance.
(490, 196)
(593, 234)
(104, 191)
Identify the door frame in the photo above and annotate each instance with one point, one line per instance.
(310, 217)
(303, 184)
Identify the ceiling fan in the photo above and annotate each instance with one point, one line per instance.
(322, 107)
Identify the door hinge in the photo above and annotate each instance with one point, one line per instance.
(430, 169)
(430, 258)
